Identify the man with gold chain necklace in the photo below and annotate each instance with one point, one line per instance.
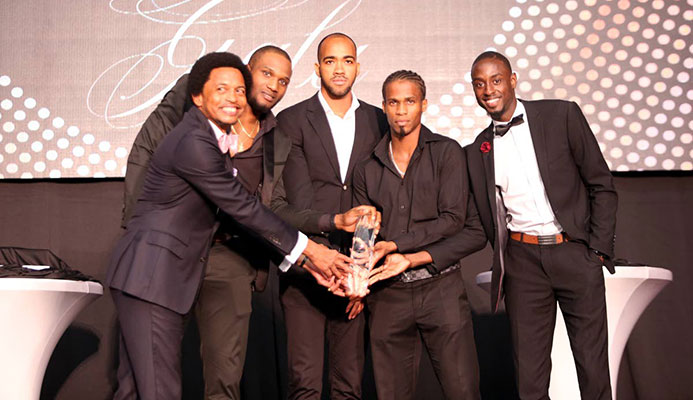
(237, 263)
(224, 305)
(245, 138)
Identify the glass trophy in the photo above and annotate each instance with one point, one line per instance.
(362, 254)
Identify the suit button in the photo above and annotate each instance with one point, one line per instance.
(344, 187)
(203, 260)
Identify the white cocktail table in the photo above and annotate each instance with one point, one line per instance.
(34, 313)
(628, 292)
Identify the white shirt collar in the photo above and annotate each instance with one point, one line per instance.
(352, 108)
(217, 131)
(519, 109)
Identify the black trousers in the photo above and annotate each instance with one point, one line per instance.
(313, 316)
(223, 311)
(434, 313)
(150, 349)
(538, 277)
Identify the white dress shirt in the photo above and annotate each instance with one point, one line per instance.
(517, 175)
(302, 240)
(343, 131)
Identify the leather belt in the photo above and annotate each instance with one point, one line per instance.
(541, 240)
(420, 273)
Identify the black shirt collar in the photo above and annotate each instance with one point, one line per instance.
(382, 149)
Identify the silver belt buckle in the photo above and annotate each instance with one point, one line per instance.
(415, 275)
(544, 240)
(422, 273)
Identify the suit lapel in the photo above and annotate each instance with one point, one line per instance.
(536, 130)
(362, 126)
(318, 120)
(282, 147)
(489, 171)
(205, 125)
(275, 155)
(497, 209)
(229, 162)
(267, 166)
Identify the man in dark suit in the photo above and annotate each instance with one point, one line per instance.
(548, 206)
(331, 132)
(158, 265)
(237, 263)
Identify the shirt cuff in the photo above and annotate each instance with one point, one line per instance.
(296, 252)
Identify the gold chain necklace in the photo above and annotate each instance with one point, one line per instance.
(255, 130)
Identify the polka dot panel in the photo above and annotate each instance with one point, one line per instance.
(37, 143)
(628, 64)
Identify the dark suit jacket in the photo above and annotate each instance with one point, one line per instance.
(162, 256)
(312, 180)
(159, 123)
(276, 147)
(577, 181)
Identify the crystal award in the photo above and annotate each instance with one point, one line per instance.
(362, 254)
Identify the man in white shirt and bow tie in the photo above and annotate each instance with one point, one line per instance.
(547, 203)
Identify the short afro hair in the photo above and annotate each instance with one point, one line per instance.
(267, 49)
(199, 74)
(489, 55)
(405, 75)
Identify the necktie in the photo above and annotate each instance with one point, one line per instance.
(228, 142)
(503, 129)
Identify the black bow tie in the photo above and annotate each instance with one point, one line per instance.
(503, 129)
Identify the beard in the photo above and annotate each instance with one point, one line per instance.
(400, 131)
(336, 92)
(505, 107)
(496, 115)
(257, 108)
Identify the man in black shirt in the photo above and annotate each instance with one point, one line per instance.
(418, 180)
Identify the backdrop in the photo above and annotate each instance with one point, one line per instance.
(77, 78)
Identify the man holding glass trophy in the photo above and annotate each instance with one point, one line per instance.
(330, 132)
(418, 181)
